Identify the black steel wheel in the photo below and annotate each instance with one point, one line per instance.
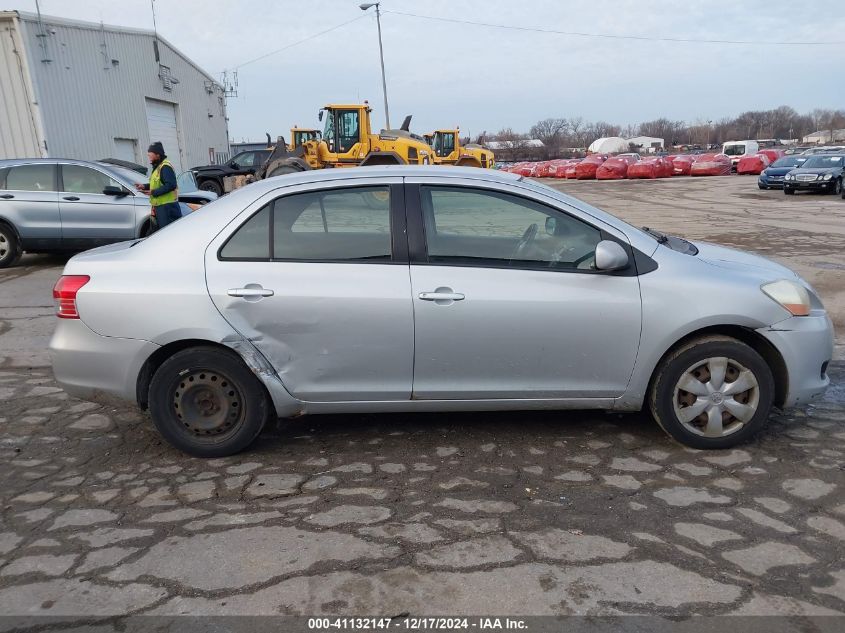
(207, 403)
(212, 186)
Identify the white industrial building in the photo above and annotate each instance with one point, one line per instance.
(83, 90)
(646, 144)
(825, 136)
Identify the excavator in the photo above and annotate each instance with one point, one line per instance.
(448, 150)
(348, 140)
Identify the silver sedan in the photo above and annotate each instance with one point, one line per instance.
(384, 289)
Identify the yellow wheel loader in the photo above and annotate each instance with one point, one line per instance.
(348, 140)
(448, 150)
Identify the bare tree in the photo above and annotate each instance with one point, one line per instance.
(513, 143)
(550, 131)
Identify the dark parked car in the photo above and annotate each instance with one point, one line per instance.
(210, 177)
(822, 172)
(772, 177)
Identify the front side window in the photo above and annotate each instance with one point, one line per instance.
(247, 159)
(338, 225)
(78, 179)
(734, 150)
(40, 177)
(470, 226)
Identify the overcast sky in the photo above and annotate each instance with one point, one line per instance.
(484, 78)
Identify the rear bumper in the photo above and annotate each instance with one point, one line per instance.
(93, 367)
(806, 345)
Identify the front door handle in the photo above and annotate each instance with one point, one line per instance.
(71, 198)
(250, 292)
(7, 196)
(442, 296)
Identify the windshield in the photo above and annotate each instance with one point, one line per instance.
(822, 162)
(127, 175)
(186, 182)
(788, 162)
(734, 150)
(444, 143)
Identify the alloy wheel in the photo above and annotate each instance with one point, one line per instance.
(716, 397)
(5, 247)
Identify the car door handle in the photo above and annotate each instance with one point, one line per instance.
(253, 292)
(7, 196)
(71, 198)
(441, 296)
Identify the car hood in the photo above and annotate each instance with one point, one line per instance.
(203, 168)
(778, 171)
(733, 259)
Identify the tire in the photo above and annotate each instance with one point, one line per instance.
(788, 191)
(206, 402)
(837, 187)
(282, 170)
(668, 401)
(762, 186)
(10, 248)
(212, 186)
(147, 229)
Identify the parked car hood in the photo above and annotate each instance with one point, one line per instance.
(777, 171)
(739, 260)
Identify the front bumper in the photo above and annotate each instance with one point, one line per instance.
(813, 185)
(93, 367)
(806, 345)
(772, 182)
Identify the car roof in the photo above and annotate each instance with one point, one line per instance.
(8, 162)
(402, 171)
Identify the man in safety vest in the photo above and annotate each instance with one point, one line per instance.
(162, 187)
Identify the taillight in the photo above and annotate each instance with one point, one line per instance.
(64, 292)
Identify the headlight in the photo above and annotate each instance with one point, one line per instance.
(788, 177)
(828, 176)
(789, 294)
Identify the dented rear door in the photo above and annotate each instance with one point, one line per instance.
(329, 302)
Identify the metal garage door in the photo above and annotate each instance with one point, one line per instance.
(161, 120)
(124, 149)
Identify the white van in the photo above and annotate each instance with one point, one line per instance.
(737, 149)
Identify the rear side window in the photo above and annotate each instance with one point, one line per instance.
(252, 239)
(336, 225)
(39, 177)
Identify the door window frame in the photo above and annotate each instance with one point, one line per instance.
(398, 224)
(418, 246)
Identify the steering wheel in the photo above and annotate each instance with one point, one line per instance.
(556, 258)
(525, 241)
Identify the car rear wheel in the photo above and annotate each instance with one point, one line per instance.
(207, 403)
(10, 249)
(714, 392)
(212, 186)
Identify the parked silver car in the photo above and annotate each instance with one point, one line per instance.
(70, 205)
(383, 289)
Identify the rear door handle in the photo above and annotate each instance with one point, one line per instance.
(441, 295)
(71, 198)
(252, 291)
(7, 196)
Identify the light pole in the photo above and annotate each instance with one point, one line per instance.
(364, 7)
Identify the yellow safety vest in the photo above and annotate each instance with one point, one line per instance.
(155, 183)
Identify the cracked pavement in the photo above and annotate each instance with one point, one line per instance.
(558, 513)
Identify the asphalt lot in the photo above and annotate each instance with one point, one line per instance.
(521, 513)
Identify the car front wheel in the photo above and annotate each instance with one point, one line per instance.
(788, 191)
(714, 392)
(207, 403)
(837, 187)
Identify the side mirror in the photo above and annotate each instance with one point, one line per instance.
(234, 165)
(320, 115)
(111, 190)
(610, 256)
